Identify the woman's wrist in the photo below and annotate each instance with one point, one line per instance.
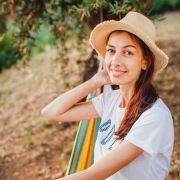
(95, 80)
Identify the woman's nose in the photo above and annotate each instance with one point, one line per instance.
(116, 59)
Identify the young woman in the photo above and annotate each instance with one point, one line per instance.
(136, 134)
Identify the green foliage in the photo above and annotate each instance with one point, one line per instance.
(67, 17)
(9, 54)
(164, 5)
(64, 19)
(2, 23)
(120, 7)
(43, 37)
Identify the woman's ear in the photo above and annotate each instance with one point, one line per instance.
(144, 64)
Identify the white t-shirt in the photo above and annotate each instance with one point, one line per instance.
(153, 132)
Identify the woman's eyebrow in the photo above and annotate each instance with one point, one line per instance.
(110, 45)
(126, 46)
(129, 46)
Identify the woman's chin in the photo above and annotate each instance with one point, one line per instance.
(117, 81)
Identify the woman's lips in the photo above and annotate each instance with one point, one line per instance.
(117, 72)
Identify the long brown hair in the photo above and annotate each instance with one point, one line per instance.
(144, 95)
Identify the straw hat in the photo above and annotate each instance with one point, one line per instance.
(134, 23)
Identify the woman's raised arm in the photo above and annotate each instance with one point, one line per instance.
(66, 106)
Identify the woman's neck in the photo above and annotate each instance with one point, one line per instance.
(126, 94)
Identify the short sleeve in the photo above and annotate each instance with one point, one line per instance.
(104, 103)
(99, 104)
(151, 132)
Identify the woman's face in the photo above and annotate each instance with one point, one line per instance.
(124, 59)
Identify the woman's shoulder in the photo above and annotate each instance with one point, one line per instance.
(158, 112)
(160, 107)
(107, 97)
(110, 98)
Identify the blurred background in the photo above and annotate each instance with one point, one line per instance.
(44, 51)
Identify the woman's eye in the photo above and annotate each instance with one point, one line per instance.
(110, 51)
(128, 53)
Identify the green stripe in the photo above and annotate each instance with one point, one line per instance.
(79, 141)
(98, 121)
(79, 144)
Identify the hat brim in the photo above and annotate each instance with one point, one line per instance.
(101, 32)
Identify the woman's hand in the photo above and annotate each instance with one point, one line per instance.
(102, 77)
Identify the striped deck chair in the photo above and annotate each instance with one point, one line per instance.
(82, 155)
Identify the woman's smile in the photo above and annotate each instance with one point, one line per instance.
(117, 73)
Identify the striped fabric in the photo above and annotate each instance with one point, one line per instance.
(82, 154)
